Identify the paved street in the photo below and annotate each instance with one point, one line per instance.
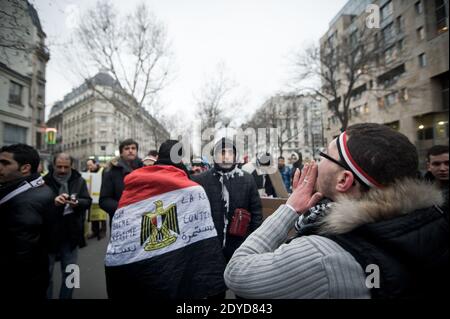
(92, 273)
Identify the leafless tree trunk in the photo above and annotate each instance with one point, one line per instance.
(215, 99)
(133, 49)
(339, 68)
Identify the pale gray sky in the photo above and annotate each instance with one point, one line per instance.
(253, 38)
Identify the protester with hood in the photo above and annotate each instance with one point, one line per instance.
(233, 196)
(112, 181)
(163, 243)
(367, 228)
(71, 201)
(25, 205)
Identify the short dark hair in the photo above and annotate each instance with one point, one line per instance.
(23, 154)
(60, 154)
(94, 161)
(152, 153)
(383, 153)
(437, 150)
(128, 141)
(281, 157)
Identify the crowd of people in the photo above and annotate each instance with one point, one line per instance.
(194, 230)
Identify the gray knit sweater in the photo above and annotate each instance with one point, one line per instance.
(308, 267)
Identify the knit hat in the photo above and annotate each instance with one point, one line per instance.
(164, 157)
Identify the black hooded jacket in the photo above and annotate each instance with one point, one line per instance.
(411, 252)
(403, 231)
(24, 234)
(112, 185)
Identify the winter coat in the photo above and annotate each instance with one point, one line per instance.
(112, 185)
(398, 233)
(24, 234)
(163, 241)
(69, 228)
(286, 176)
(243, 194)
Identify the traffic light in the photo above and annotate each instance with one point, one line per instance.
(50, 136)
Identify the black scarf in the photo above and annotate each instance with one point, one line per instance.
(7, 188)
(309, 222)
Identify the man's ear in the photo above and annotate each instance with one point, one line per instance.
(25, 169)
(345, 181)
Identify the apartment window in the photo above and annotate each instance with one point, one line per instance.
(419, 7)
(15, 93)
(388, 32)
(386, 11)
(391, 77)
(425, 133)
(102, 148)
(394, 125)
(391, 98)
(103, 119)
(40, 115)
(354, 39)
(422, 60)
(442, 129)
(390, 54)
(441, 10)
(400, 45)
(421, 33)
(445, 91)
(41, 92)
(400, 24)
(13, 134)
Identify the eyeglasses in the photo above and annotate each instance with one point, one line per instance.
(333, 160)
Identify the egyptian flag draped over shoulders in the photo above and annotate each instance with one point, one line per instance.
(163, 237)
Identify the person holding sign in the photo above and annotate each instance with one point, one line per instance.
(97, 216)
(70, 204)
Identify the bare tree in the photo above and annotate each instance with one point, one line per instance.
(215, 100)
(133, 49)
(341, 68)
(270, 115)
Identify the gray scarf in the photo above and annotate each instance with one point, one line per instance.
(226, 195)
(63, 182)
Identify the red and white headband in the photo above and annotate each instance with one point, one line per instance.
(359, 173)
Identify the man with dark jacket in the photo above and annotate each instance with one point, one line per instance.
(25, 205)
(378, 232)
(228, 189)
(163, 243)
(112, 181)
(71, 200)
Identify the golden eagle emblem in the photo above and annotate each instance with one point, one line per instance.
(159, 228)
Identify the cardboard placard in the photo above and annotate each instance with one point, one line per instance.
(278, 185)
